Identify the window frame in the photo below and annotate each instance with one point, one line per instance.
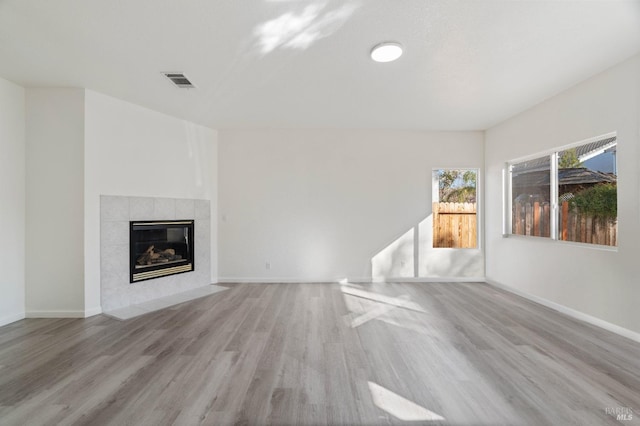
(553, 154)
(435, 197)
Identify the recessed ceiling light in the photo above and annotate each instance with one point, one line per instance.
(386, 52)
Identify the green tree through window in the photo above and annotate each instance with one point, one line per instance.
(457, 186)
(568, 159)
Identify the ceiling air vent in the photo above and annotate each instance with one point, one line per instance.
(179, 80)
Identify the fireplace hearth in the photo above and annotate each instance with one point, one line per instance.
(160, 248)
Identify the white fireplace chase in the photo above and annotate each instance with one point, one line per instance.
(152, 248)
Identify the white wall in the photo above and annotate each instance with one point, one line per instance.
(134, 151)
(599, 283)
(12, 201)
(55, 204)
(319, 205)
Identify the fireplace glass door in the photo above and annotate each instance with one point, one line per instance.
(160, 248)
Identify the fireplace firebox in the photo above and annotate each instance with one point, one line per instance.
(160, 248)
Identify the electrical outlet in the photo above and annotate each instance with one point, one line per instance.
(267, 265)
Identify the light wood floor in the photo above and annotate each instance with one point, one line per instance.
(307, 354)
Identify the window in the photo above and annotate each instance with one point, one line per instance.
(531, 197)
(568, 195)
(454, 208)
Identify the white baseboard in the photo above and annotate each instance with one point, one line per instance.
(55, 314)
(92, 311)
(50, 314)
(352, 279)
(8, 319)
(429, 280)
(629, 334)
(269, 280)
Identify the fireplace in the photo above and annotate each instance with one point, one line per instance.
(160, 248)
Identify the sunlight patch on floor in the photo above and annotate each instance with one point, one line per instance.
(365, 306)
(400, 302)
(399, 407)
(371, 314)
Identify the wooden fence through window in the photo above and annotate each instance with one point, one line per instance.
(586, 229)
(534, 219)
(454, 225)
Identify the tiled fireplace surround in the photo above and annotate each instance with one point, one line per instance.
(115, 213)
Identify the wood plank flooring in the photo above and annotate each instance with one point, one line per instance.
(322, 354)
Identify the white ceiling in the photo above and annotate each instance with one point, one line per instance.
(468, 64)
